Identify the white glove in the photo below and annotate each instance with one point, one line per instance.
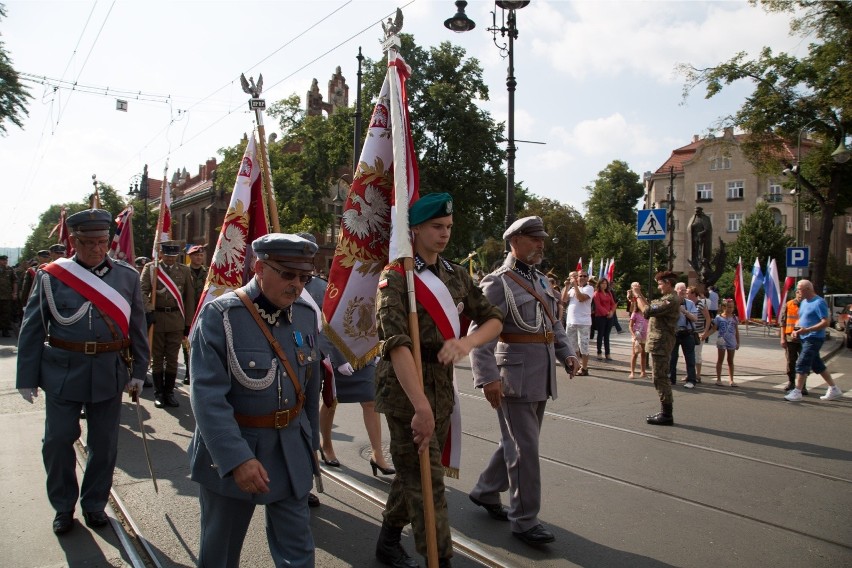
(29, 394)
(376, 360)
(346, 369)
(136, 384)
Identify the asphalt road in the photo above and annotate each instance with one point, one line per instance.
(742, 479)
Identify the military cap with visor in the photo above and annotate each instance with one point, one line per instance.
(170, 249)
(90, 223)
(43, 254)
(528, 226)
(57, 248)
(290, 251)
(195, 248)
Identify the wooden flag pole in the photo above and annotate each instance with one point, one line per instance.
(258, 105)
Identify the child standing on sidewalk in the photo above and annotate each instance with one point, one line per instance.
(639, 332)
(728, 341)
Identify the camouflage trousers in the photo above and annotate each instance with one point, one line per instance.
(405, 500)
(660, 372)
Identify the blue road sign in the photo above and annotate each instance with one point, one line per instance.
(651, 225)
(798, 257)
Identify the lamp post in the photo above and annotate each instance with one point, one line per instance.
(337, 202)
(139, 186)
(508, 27)
(555, 240)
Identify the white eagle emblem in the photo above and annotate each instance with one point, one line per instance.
(371, 218)
(230, 249)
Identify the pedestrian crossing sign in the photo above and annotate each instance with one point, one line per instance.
(651, 225)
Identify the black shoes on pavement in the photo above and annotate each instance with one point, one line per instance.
(495, 511)
(313, 500)
(63, 522)
(94, 519)
(535, 536)
(389, 550)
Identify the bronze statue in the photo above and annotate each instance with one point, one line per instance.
(701, 233)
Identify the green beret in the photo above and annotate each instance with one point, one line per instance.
(430, 206)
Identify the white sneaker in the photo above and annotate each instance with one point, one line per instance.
(794, 395)
(832, 393)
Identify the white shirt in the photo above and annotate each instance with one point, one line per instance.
(580, 313)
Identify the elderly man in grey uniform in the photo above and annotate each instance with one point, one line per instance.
(256, 407)
(82, 341)
(517, 373)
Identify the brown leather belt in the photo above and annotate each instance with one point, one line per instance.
(546, 337)
(89, 347)
(278, 420)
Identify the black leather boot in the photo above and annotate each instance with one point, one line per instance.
(169, 390)
(663, 418)
(389, 550)
(159, 387)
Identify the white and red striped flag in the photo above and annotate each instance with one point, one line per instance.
(164, 219)
(610, 271)
(121, 247)
(579, 265)
(232, 261)
(739, 291)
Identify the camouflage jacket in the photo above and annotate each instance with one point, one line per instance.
(392, 322)
(662, 318)
(8, 283)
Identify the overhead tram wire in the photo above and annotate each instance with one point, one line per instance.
(317, 58)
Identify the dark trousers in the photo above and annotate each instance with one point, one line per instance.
(794, 348)
(615, 323)
(686, 342)
(603, 325)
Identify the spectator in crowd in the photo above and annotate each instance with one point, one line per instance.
(712, 301)
(638, 332)
(684, 338)
(577, 297)
(702, 325)
(604, 310)
(728, 341)
(788, 320)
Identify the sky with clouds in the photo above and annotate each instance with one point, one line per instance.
(597, 82)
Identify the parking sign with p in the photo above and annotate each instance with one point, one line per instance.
(798, 257)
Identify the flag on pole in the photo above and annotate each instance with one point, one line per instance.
(610, 271)
(164, 218)
(121, 247)
(601, 269)
(773, 291)
(789, 282)
(739, 291)
(232, 263)
(591, 264)
(579, 264)
(756, 284)
(63, 237)
(367, 238)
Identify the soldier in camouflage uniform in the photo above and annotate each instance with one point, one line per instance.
(418, 418)
(662, 318)
(171, 321)
(198, 277)
(8, 293)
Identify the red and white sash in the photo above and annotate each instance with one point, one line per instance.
(436, 299)
(102, 295)
(172, 288)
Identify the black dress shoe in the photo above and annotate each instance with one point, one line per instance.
(789, 387)
(535, 536)
(329, 463)
(95, 519)
(170, 400)
(495, 511)
(313, 500)
(660, 419)
(63, 522)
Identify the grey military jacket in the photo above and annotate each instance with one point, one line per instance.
(527, 370)
(54, 309)
(234, 369)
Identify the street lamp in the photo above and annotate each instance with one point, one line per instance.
(139, 187)
(555, 240)
(460, 22)
(508, 28)
(337, 202)
(842, 154)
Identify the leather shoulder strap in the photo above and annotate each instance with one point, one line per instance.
(511, 274)
(273, 342)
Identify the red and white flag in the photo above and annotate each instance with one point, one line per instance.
(368, 238)
(232, 262)
(610, 271)
(64, 237)
(739, 291)
(121, 247)
(579, 265)
(789, 282)
(164, 219)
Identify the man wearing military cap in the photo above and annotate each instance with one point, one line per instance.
(56, 251)
(198, 278)
(140, 262)
(8, 293)
(171, 314)
(82, 342)
(256, 407)
(517, 374)
(419, 417)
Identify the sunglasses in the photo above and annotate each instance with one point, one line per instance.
(287, 275)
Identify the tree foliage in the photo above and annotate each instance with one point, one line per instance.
(567, 230)
(13, 95)
(760, 237)
(796, 95)
(614, 195)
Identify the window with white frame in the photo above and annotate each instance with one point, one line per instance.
(735, 222)
(774, 195)
(806, 222)
(704, 192)
(736, 189)
(720, 163)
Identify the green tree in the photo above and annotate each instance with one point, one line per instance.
(614, 195)
(791, 95)
(13, 95)
(760, 237)
(567, 231)
(455, 140)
